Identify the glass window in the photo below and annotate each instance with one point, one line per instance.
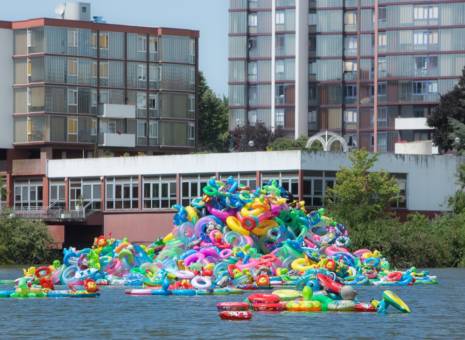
(252, 71)
(104, 40)
(279, 116)
(280, 18)
(159, 192)
(122, 193)
(72, 67)
(73, 38)
(253, 21)
(350, 116)
(72, 129)
(192, 187)
(141, 43)
(28, 195)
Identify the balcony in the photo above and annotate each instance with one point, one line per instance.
(419, 123)
(28, 167)
(423, 147)
(117, 111)
(124, 140)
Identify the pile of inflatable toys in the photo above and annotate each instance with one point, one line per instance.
(39, 283)
(232, 239)
(329, 296)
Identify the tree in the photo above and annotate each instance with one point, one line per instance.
(253, 137)
(360, 196)
(457, 201)
(23, 241)
(213, 119)
(451, 105)
(2, 190)
(300, 143)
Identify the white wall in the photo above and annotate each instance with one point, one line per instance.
(430, 179)
(6, 88)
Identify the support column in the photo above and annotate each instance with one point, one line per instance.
(141, 195)
(301, 185)
(9, 190)
(102, 193)
(178, 189)
(45, 193)
(66, 193)
(258, 177)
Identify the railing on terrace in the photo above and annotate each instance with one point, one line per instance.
(56, 213)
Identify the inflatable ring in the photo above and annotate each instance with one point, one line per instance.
(269, 307)
(248, 223)
(287, 294)
(235, 315)
(232, 306)
(263, 298)
(210, 190)
(43, 271)
(234, 224)
(201, 282)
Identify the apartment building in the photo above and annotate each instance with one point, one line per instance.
(314, 65)
(78, 87)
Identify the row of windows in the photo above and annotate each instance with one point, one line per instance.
(160, 192)
(85, 42)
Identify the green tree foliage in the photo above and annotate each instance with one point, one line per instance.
(457, 201)
(361, 195)
(253, 137)
(213, 119)
(23, 241)
(452, 105)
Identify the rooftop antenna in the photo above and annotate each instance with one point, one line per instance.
(60, 10)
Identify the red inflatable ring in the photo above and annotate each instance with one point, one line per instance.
(236, 315)
(232, 306)
(43, 271)
(268, 307)
(394, 276)
(263, 298)
(365, 307)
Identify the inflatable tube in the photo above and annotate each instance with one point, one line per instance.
(263, 298)
(235, 315)
(183, 292)
(232, 306)
(342, 306)
(329, 284)
(140, 292)
(303, 306)
(201, 282)
(287, 294)
(365, 308)
(269, 307)
(235, 225)
(332, 250)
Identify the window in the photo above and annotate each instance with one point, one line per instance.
(72, 97)
(28, 195)
(424, 65)
(382, 67)
(141, 43)
(72, 129)
(350, 91)
(350, 116)
(85, 194)
(350, 18)
(383, 115)
(93, 40)
(253, 20)
(72, 67)
(289, 181)
(191, 103)
(425, 38)
(382, 14)
(73, 38)
(351, 42)
(57, 195)
(141, 128)
(425, 87)
(141, 100)
(93, 127)
(122, 193)
(153, 45)
(191, 132)
(94, 69)
(104, 40)
(401, 202)
(382, 40)
(141, 72)
(426, 13)
(279, 118)
(252, 71)
(350, 66)
(280, 68)
(382, 141)
(159, 192)
(252, 43)
(153, 103)
(104, 69)
(382, 88)
(104, 97)
(280, 18)
(153, 130)
(253, 95)
(191, 187)
(312, 116)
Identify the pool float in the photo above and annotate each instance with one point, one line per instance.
(268, 307)
(341, 306)
(235, 315)
(263, 298)
(71, 294)
(329, 284)
(365, 307)
(287, 294)
(391, 299)
(303, 306)
(232, 306)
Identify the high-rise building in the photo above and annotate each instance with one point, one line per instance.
(309, 65)
(79, 87)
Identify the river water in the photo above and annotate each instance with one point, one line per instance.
(437, 312)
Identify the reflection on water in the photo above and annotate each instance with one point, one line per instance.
(437, 312)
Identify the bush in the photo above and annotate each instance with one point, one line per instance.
(23, 241)
(417, 242)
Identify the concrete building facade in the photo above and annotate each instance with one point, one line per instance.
(311, 65)
(133, 196)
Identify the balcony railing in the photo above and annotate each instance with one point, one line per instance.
(56, 213)
(117, 140)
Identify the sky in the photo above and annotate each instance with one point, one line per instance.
(210, 17)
